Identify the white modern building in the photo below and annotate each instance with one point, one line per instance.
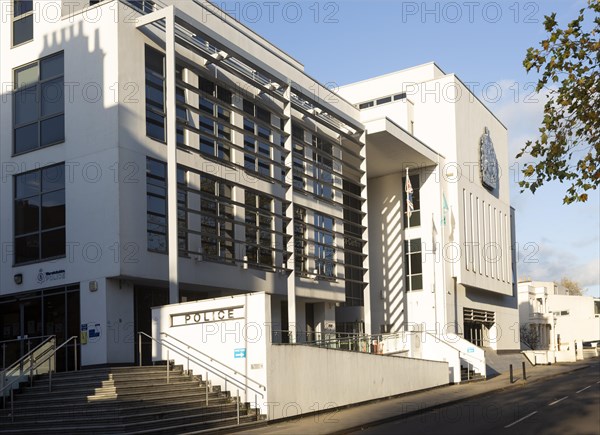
(448, 266)
(110, 101)
(160, 152)
(555, 318)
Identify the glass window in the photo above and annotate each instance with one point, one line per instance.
(39, 104)
(256, 148)
(324, 246)
(413, 265)
(259, 228)
(22, 26)
(300, 240)
(217, 234)
(26, 75)
(155, 94)
(156, 200)
(323, 168)
(415, 217)
(39, 214)
(145, 6)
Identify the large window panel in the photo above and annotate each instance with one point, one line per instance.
(324, 246)
(413, 265)
(22, 25)
(415, 216)
(259, 228)
(155, 94)
(156, 202)
(39, 214)
(39, 104)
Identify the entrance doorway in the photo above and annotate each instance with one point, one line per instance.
(26, 319)
(474, 333)
(144, 299)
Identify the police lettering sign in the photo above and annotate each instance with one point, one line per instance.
(207, 316)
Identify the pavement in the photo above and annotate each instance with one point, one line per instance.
(356, 417)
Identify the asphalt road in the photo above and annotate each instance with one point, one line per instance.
(563, 405)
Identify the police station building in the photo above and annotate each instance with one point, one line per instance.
(159, 152)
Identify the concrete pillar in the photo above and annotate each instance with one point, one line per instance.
(579, 349)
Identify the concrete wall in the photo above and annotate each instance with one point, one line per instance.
(303, 379)
(237, 345)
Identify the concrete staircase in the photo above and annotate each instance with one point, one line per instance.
(124, 400)
(468, 375)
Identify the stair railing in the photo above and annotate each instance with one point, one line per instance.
(6, 343)
(213, 360)
(27, 366)
(205, 365)
(462, 355)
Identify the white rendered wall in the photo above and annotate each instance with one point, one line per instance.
(581, 323)
(304, 379)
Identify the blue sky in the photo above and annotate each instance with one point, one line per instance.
(483, 42)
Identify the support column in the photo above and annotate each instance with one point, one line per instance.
(365, 223)
(289, 198)
(173, 241)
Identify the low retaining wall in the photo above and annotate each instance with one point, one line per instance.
(305, 379)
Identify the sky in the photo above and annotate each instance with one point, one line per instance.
(484, 43)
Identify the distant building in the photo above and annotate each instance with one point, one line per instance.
(554, 317)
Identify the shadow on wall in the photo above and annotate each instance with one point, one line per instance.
(392, 243)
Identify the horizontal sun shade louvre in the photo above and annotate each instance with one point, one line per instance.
(479, 316)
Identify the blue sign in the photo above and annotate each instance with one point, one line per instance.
(470, 350)
(239, 353)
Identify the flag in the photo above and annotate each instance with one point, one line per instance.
(409, 196)
(444, 209)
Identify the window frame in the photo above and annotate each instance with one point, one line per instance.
(415, 218)
(40, 119)
(149, 108)
(321, 247)
(40, 223)
(408, 258)
(223, 242)
(21, 17)
(258, 213)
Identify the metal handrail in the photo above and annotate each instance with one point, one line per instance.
(236, 372)
(45, 357)
(25, 339)
(34, 366)
(215, 371)
(20, 361)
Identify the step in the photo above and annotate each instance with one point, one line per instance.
(169, 393)
(116, 408)
(112, 373)
(187, 427)
(117, 370)
(82, 384)
(118, 389)
(167, 426)
(93, 416)
(262, 422)
(148, 420)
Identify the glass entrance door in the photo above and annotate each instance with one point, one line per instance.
(26, 318)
